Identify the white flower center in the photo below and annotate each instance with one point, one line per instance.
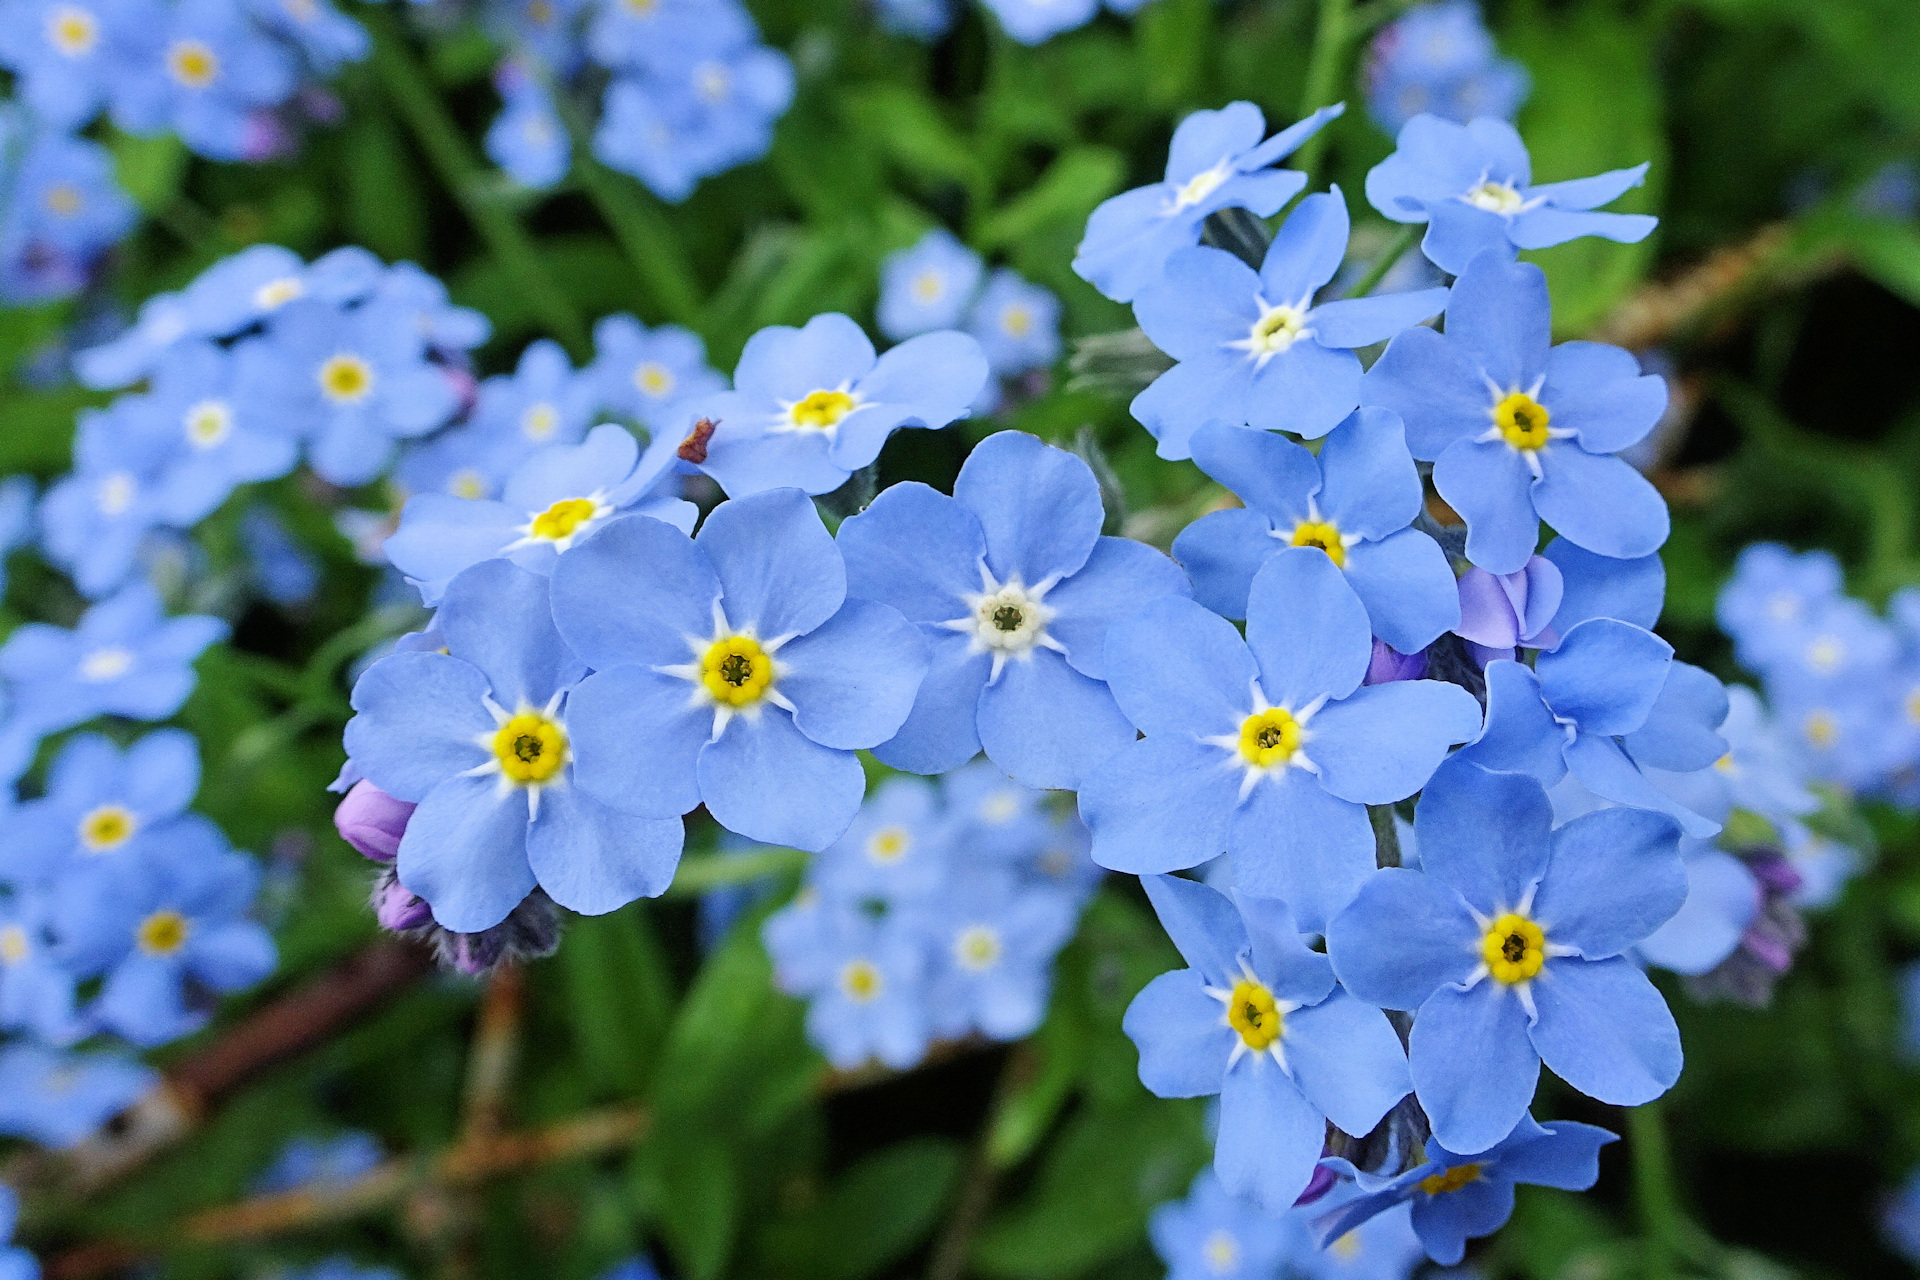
(1495, 197)
(540, 421)
(116, 493)
(208, 423)
(977, 948)
(1200, 186)
(1006, 619)
(106, 664)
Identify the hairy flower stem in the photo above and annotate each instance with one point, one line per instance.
(453, 161)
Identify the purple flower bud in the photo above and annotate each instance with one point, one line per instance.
(1776, 875)
(1500, 612)
(396, 907)
(1322, 1182)
(1389, 664)
(372, 821)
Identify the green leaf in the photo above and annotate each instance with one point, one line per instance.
(1173, 37)
(1065, 194)
(385, 207)
(878, 1211)
(149, 169)
(912, 132)
(690, 1183)
(619, 996)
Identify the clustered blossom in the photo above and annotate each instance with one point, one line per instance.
(1440, 59)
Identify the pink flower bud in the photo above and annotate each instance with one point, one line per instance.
(372, 821)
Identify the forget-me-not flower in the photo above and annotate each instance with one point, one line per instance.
(996, 938)
(1216, 161)
(927, 286)
(1259, 1019)
(647, 374)
(1472, 185)
(92, 520)
(58, 1099)
(1016, 323)
(1440, 59)
(1354, 501)
(226, 440)
(205, 76)
(528, 139)
(1519, 431)
(485, 739)
(732, 669)
(1268, 748)
(544, 402)
(811, 406)
(1254, 348)
(1508, 942)
(1013, 588)
(1212, 1235)
(104, 803)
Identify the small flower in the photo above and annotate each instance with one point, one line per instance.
(1440, 59)
(543, 403)
(1212, 1235)
(1508, 944)
(372, 821)
(650, 374)
(204, 78)
(528, 139)
(1017, 324)
(103, 804)
(59, 1099)
(927, 286)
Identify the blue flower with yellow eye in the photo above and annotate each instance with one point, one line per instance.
(543, 402)
(665, 35)
(66, 54)
(58, 1099)
(732, 670)
(811, 406)
(895, 853)
(651, 375)
(204, 76)
(37, 989)
(1518, 431)
(225, 440)
(553, 500)
(166, 929)
(869, 999)
(1441, 59)
(63, 210)
(993, 939)
(1216, 161)
(927, 286)
(124, 658)
(1508, 943)
(1258, 1019)
(1767, 607)
(1254, 348)
(1456, 1198)
(1013, 589)
(1267, 748)
(1016, 323)
(1354, 501)
(105, 804)
(703, 115)
(1211, 1235)
(327, 38)
(485, 738)
(92, 521)
(527, 139)
(1472, 185)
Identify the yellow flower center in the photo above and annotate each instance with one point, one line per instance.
(1495, 197)
(562, 519)
(116, 493)
(163, 932)
(193, 63)
(539, 421)
(654, 379)
(1277, 329)
(1016, 321)
(13, 944)
(888, 845)
(1821, 729)
(822, 410)
(530, 748)
(1825, 654)
(63, 199)
(860, 980)
(1269, 737)
(1251, 1011)
(467, 483)
(1912, 706)
(1725, 764)
(107, 827)
(1222, 1252)
(1514, 948)
(928, 286)
(736, 671)
(208, 423)
(346, 379)
(1522, 421)
(539, 12)
(977, 948)
(1201, 185)
(72, 30)
(1453, 1179)
(1324, 535)
(641, 8)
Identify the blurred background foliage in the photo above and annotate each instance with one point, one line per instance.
(1786, 300)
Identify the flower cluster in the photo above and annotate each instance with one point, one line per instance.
(937, 915)
(60, 208)
(1440, 59)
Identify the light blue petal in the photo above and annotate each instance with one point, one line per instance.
(497, 616)
(1361, 322)
(1208, 388)
(1597, 586)
(1521, 735)
(1722, 900)
(1270, 473)
(593, 859)
(1307, 389)
(1614, 878)
(934, 376)
(465, 852)
(1446, 1222)
(1292, 840)
(1307, 250)
(1545, 227)
(633, 592)
(1599, 392)
(1433, 384)
(853, 679)
(1205, 924)
(231, 956)
(1605, 676)
(1474, 1070)
(1347, 1060)
(1372, 487)
(1603, 768)
(1407, 587)
(1589, 193)
(766, 780)
(1600, 503)
(1500, 314)
(1270, 1135)
(1161, 804)
(785, 364)
(1680, 731)
(746, 459)
(419, 717)
(915, 549)
(1458, 233)
(1222, 550)
(1117, 580)
(1182, 1037)
(1048, 726)
(1605, 1030)
(141, 1000)
(1176, 668)
(163, 772)
(1039, 506)
(1404, 935)
(778, 568)
(941, 732)
(636, 735)
(1491, 487)
(1307, 629)
(1484, 833)
(1205, 299)
(1281, 957)
(1383, 743)
(1567, 1158)
(440, 535)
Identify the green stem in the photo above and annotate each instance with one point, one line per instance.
(714, 870)
(1396, 249)
(1386, 837)
(1653, 1187)
(1330, 41)
(453, 161)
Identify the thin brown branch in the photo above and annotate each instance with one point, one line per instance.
(1659, 310)
(490, 1061)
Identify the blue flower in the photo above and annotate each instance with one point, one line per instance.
(700, 117)
(994, 816)
(1607, 704)
(65, 54)
(665, 35)
(1258, 1019)
(105, 804)
(1035, 21)
(327, 37)
(873, 1000)
(224, 439)
(895, 853)
(1267, 749)
(37, 989)
(1471, 184)
(205, 77)
(124, 658)
(1723, 897)
(543, 403)
(321, 1162)
(549, 30)
(58, 1099)
(1354, 501)
(1013, 588)
(553, 500)
(486, 739)
(927, 286)
(1457, 1198)
(1440, 59)
(166, 928)
(1255, 349)
(351, 383)
(1384, 1247)
(283, 570)
(995, 939)
(1017, 324)
(1215, 1236)
(64, 209)
(239, 291)
(922, 20)
(811, 406)
(1217, 161)
(422, 300)
(1758, 773)
(651, 374)
(1519, 433)
(1508, 943)
(93, 520)
(732, 670)
(527, 138)
(162, 321)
